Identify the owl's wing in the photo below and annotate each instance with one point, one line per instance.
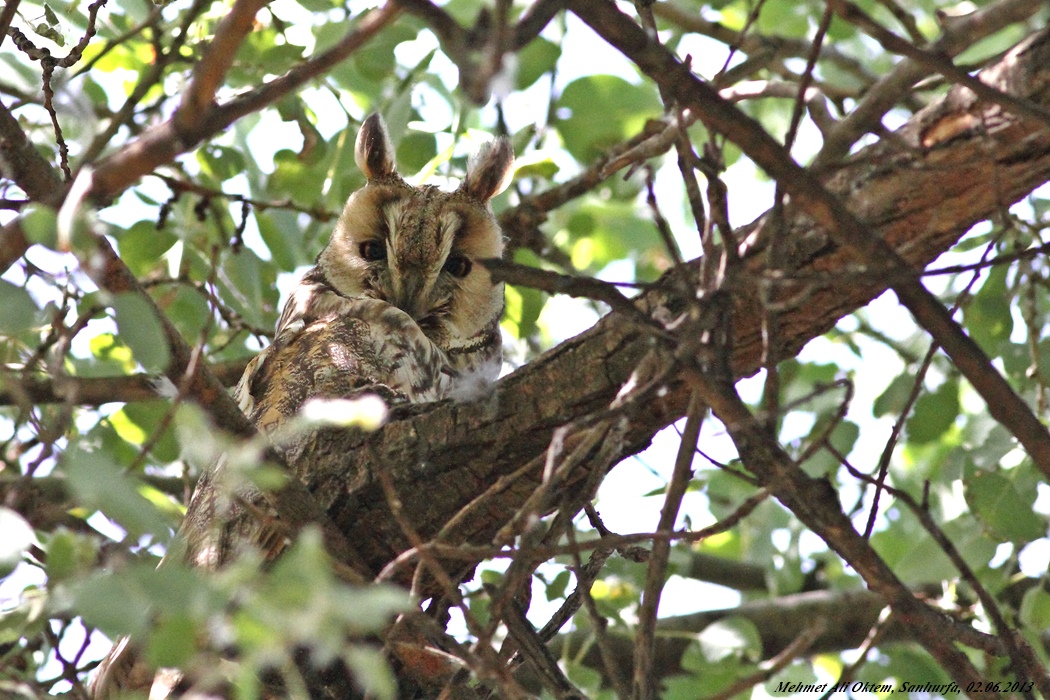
(359, 346)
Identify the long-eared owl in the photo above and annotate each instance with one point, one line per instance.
(396, 305)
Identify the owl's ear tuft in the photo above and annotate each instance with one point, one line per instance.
(489, 171)
(374, 153)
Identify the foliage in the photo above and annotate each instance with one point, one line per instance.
(210, 144)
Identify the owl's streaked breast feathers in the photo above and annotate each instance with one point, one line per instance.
(395, 304)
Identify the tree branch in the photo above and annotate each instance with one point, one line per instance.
(95, 391)
(6, 15)
(962, 33)
(645, 638)
(162, 143)
(936, 62)
(828, 211)
(535, 19)
(756, 45)
(816, 504)
(22, 163)
(210, 71)
(779, 622)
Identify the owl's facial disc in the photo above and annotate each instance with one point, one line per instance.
(418, 248)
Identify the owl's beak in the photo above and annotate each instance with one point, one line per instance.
(408, 296)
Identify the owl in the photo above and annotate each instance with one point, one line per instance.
(397, 304)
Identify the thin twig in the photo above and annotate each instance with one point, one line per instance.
(491, 666)
(963, 33)
(6, 15)
(937, 62)
(162, 143)
(828, 211)
(882, 468)
(645, 637)
(991, 607)
(770, 668)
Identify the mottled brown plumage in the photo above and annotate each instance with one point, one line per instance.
(396, 301)
(395, 305)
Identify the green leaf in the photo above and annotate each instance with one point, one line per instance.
(143, 245)
(791, 675)
(69, 553)
(132, 56)
(708, 676)
(18, 311)
(100, 484)
(18, 537)
(538, 165)
(221, 162)
(934, 414)
(522, 310)
(60, 556)
(1035, 608)
(987, 317)
(786, 579)
(51, 33)
(463, 11)
(283, 237)
(790, 19)
(138, 422)
(604, 231)
(556, 588)
(906, 662)
(25, 619)
(917, 559)
(375, 60)
(735, 637)
(727, 545)
(40, 225)
(297, 179)
(843, 437)
(318, 5)
(415, 151)
(114, 357)
(539, 56)
(141, 330)
(606, 110)
(115, 604)
(261, 52)
(172, 642)
(491, 578)
(187, 310)
(371, 671)
(894, 396)
(999, 506)
(585, 678)
(178, 598)
(249, 285)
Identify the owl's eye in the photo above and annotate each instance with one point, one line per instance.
(458, 265)
(373, 251)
